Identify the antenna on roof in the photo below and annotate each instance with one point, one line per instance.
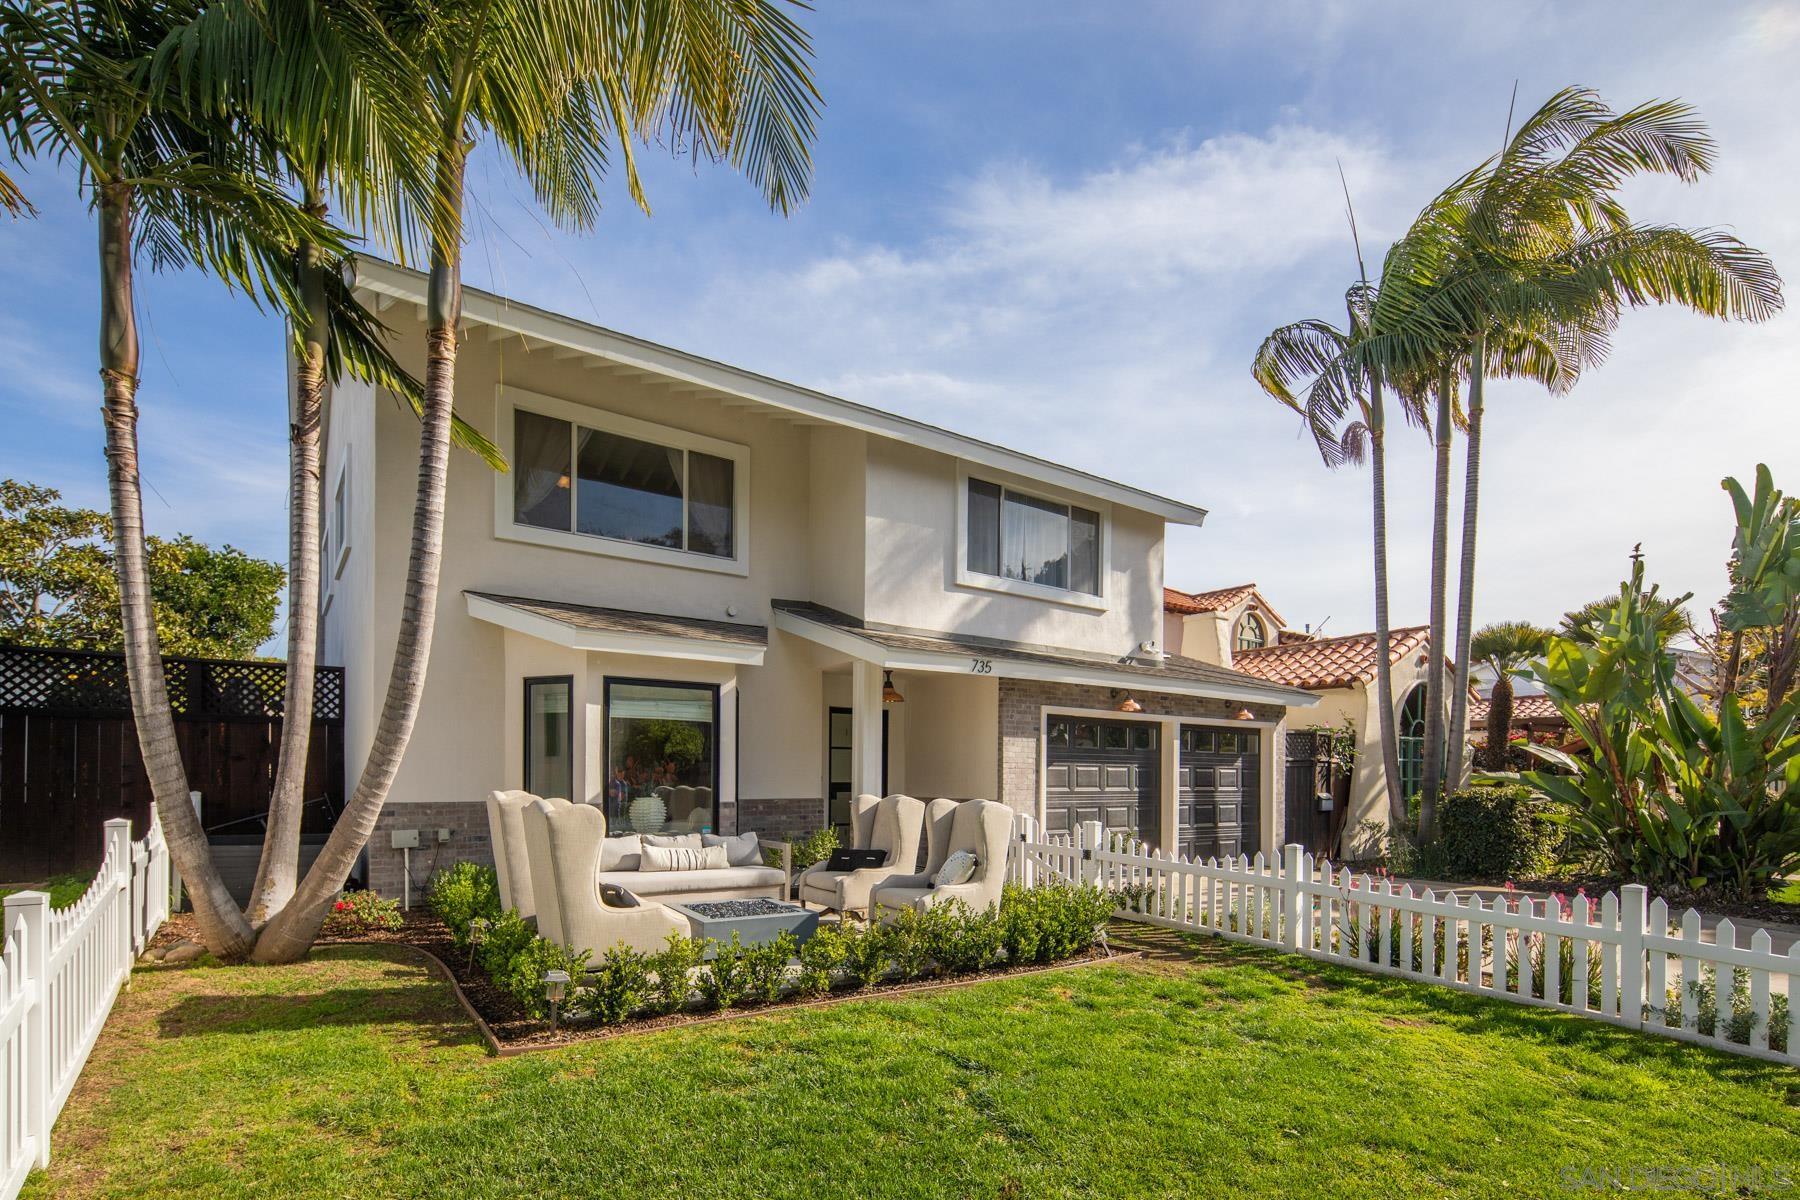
(1321, 627)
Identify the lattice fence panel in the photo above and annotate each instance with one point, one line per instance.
(93, 683)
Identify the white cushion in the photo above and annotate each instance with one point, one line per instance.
(673, 841)
(958, 868)
(742, 850)
(673, 883)
(683, 858)
(621, 853)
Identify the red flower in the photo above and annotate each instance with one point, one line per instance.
(341, 906)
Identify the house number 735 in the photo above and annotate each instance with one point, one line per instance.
(981, 666)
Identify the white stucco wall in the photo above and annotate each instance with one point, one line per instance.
(348, 588)
(912, 521)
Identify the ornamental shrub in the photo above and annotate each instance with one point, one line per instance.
(909, 945)
(355, 913)
(866, 957)
(515, 959)
(820, 956)
(618, 986)
(460, 894)
(765, 969)
(961, 941)
(815, 847)
(1052, 921)
(726, 979)
(671, 973)
(1495, 833)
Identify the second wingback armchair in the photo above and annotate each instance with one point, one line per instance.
(506, 830)
(980, 827)
(890, 823)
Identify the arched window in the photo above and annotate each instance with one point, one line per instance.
(1250, 633)
(1411, 738)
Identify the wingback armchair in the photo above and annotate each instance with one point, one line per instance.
(506, 830)
(563, 846)
(890, 823)
(982, 827)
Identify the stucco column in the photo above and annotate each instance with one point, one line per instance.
(865, 728)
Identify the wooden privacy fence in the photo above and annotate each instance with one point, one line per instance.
(1620, 960)
(59, 972)
(69, 756)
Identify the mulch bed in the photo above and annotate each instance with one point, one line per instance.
(509, 1030)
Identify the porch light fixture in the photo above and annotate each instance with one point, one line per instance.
(889, 693)
(1244, 714)
(556, 986)
(1128, 705)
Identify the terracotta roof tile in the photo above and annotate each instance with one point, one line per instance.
(1217, 600)
(1329, 662)
(1525, 708)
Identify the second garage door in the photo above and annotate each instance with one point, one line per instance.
(1220, 791)
(1106, 771)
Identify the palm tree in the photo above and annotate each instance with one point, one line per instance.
(1345, 410)
(354, 134)
(74, 84)
(1585, 623)
(1504, 648)
(557, 83)
(1535, 243)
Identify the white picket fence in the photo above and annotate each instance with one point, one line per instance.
(59, 973)
(1617, 960)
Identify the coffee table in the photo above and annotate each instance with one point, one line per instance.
(755, 921)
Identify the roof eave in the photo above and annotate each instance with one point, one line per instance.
(555, 329)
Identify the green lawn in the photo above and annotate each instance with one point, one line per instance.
(64, 889)
(1239, 1074)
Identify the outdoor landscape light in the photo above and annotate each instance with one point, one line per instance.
(889, 693)
(478, 930)
(556, 986)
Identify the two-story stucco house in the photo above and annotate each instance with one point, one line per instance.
(754, 601)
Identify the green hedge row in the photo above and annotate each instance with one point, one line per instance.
(1035, 925)
(1497, 833)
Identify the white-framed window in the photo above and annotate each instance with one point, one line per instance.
(595, 481)
(337, 541)
(1251, 633)
(1030, 542)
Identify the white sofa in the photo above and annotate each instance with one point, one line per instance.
(506, 831)
(620, 862)
(982, 827)
(890, 823)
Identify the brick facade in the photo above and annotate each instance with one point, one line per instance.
(1022, 703)
(783, 819)
(468, 825)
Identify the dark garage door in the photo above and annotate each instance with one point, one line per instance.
(1219, 791)
(1105, 771)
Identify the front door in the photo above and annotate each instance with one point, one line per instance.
(838, 744)
(1105, 771)
(1219, 796)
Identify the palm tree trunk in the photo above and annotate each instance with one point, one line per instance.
(278, 871)
(1434, 671)
(1499, 723)
(289, 935)
(1465, 592)
(222, 928)
(1384, 668)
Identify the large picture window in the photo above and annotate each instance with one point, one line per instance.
(1013, 535)
(549, 736)
(661, 756)
(575, 479)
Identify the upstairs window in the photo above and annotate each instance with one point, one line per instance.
(574, 479)
(1251, 635)
(1013, 535)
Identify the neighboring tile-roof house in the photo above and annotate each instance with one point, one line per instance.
(1329, 662)
(1217, 600)
(1527, 710)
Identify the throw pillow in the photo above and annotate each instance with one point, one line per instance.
(684, 858)
(621, 853)
(670, 841)
(958, 868)
(742, 850)
(614, 896)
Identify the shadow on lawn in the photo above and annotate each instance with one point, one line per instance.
(1396, 1001)
(410, 998)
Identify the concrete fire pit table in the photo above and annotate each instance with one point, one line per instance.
(754, 921)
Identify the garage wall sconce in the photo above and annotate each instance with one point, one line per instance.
(1128, 704)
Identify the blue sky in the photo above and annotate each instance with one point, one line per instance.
(1065, 228)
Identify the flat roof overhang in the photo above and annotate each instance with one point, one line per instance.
(622, 631)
